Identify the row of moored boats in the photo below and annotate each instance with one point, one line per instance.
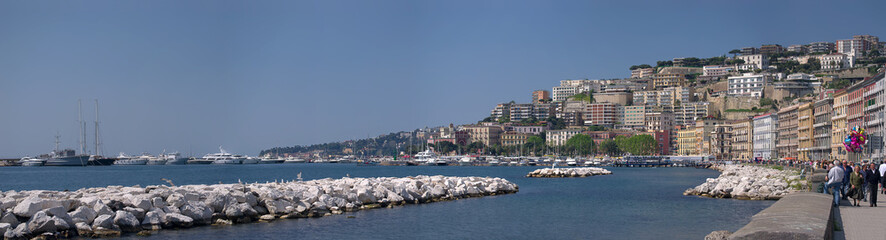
(68, 158)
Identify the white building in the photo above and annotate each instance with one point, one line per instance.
(765, 134)
(754, 61)
(716, 70)
(852, 47)
(669, 96)
(559, 137)
(837, 61)
(749, 85)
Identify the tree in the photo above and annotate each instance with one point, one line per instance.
(535, 144)
(609, 147)
(555, 123)
(445, 147)
(581, 144)
(475, 147)
(488, 119)
(766, 102)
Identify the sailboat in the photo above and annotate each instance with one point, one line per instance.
(97, 159)
(69, 157)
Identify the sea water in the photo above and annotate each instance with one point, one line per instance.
(632, 203)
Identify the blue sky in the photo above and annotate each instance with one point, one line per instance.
(249, 75)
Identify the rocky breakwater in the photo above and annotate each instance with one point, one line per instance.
(749, 183)
(567, 172)
(110, 211)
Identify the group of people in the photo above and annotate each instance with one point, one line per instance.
(859, 181)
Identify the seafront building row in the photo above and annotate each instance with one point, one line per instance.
(755, 105)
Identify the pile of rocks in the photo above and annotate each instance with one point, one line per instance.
(110, 211)
(567, 172)
(747, 183)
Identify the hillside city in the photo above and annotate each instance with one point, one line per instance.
(754, 103)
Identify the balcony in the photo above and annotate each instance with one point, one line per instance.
(803, 117)
(822, 124)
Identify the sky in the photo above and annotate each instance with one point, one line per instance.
(191, 76)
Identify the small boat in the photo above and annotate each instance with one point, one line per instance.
(294, 160)
(494, 162)
(122, 159)
(31, 162)
(437, 162)
(465, 161)
(571, 162)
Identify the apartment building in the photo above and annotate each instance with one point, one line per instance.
(821, 127)
(805, 121)
(839, 125)
(742, 139)
(787, 142)
(765, 136)
(747, 85)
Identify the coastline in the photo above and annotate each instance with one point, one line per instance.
(747, 182)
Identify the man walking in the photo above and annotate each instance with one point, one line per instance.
(873, 180)
(883, 173)
(846, 171)
(835, 181)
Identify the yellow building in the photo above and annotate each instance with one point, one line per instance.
(663, 80)
(787, 132)
(805, 120)
(686, 141)
(512, 138)
(838, 125)
(742, 139)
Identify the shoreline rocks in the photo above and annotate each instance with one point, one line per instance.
(747, 183)
(115, 210)
(567, 172)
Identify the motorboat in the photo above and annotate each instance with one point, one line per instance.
(466, 161)
(122, 159)
(223, 157)
(66, 157)
(198, 161)
(571, 162)
(31, 162)
(174, 158)
(494, 162)
(294, 160)
(156, 161)
(251, 160)
(271, 160)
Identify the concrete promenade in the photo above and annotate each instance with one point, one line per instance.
(861, 222)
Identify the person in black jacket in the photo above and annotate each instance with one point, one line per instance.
(873, 180)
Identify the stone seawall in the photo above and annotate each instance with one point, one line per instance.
(748, 183)
(110, 211)
(796, 216)
(567, 172)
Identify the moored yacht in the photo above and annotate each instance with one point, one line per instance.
(294, 160)
(224, 157)
(66, 157)
(156, 160)
(250, 160)
(465, 161)
(122, 159)
(31, 162)
(174, 158)
(271, 160)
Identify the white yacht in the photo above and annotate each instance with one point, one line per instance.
(31, 162)
(466, 161)
(494, 162)
(174, 158)
(571, 162)
(122, 159)
(271, 160)
(156, 161)
(294, 160)
(426, 157)
(224, 157)
(251, 160)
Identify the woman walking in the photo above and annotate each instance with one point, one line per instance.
(857, 181)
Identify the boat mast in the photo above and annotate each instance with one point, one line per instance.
(97, 142)
(82, 126)
(57, 136)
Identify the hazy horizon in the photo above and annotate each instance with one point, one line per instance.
(190, 76)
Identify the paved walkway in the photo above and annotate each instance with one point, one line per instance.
(862, 222)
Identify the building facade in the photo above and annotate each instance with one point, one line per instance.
(754, 61)
(805, 121)
(664, 80)
(559, 137)
(742, 140)
(765, 135)
(716, 70)
(642, 72)
(513, 138)
(600, 114)
(686, 145)
(821, 127)
(839, 125)
(541, 96)
(748, 85)
(488, 135)
(787, 142)
(873, 111)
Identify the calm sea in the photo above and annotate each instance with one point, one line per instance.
(633, 203)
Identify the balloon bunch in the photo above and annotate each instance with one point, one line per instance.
(855, 140)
